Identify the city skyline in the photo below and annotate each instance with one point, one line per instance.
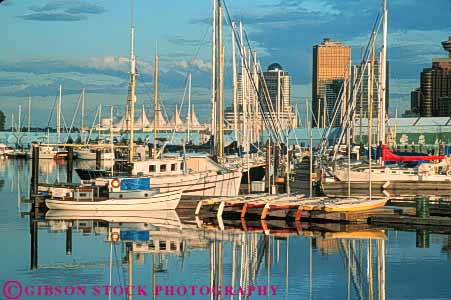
(86, 44)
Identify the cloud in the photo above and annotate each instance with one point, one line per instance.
(63, 10)
(85, 8)
(109, 74)
(49, 17)
(198, 64)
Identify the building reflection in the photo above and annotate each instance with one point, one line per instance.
(249, 253)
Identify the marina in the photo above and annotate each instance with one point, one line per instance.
(244, 190)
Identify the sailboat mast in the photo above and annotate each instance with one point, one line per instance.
(370, 111)
(189, 107)
(29, 117)
(156, 107)
(58, 114)
(213, 72)
(132, 97)
(82, 112)
(221, 85)
(19, 127)
(383, 67)
(235, 89)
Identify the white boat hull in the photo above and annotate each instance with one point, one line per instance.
(160, 201)
(359, 176)
(206, 184)
(87, 155)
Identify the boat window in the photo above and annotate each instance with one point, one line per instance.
(152, 168)
(120, 195)
(173, 246)
(172, 167)
(82, 194)
(146, 195)
(151, 245)
(182, 166)
(162, 168)
(162, 245)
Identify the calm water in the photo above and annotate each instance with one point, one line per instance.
(301, 264)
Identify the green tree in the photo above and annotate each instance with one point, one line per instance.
(2, 121)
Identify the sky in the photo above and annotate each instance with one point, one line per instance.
(86, 44)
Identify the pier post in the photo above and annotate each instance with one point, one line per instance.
(98, 159)
(33, 244)
(268, 166)
(34, 171)
(422, 238)
(70, 164)
(69, 240)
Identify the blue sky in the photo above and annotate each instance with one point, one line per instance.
(86, 43)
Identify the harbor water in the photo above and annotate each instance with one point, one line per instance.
(172, 256)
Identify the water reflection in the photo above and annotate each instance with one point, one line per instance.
(246, 257)
(159, 249)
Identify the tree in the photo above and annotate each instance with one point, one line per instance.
(2, 121)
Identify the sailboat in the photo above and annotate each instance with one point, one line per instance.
(195, 175)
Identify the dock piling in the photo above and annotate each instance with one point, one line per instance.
(70, 164)
(69, 240)
(98, 159)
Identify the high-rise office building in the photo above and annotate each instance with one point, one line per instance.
(331, 67)
(435, 87)
(278, 83)
(363, 95)
(277, 88)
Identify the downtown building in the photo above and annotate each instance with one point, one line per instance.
(363, 94)
(331, 68)
(275, 83)
(433, 97)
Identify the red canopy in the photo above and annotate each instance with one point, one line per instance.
(387, 155)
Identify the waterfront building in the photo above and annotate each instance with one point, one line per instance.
(331, 67)
(434, 94)
(363, 93)
(277, 86)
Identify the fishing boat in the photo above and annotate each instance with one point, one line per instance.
(196, 176)
(113, 193)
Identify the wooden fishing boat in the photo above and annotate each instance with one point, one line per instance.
(113, 193)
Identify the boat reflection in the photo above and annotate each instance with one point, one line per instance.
(242, 255)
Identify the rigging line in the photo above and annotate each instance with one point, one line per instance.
(75, 115)
(51, 111)
(272, 129)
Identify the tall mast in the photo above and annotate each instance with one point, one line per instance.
(156, 107)
(213, 72)
(82, 112)
(132, 97)
(221, 85)
(383, 67)
(189, 107)
(19, 127)
(29, 117)
(370, 110)
(58, 114)
(243, 87)
(235, 89)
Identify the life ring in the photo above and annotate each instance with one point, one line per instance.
(115, 183)
(115, 236)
